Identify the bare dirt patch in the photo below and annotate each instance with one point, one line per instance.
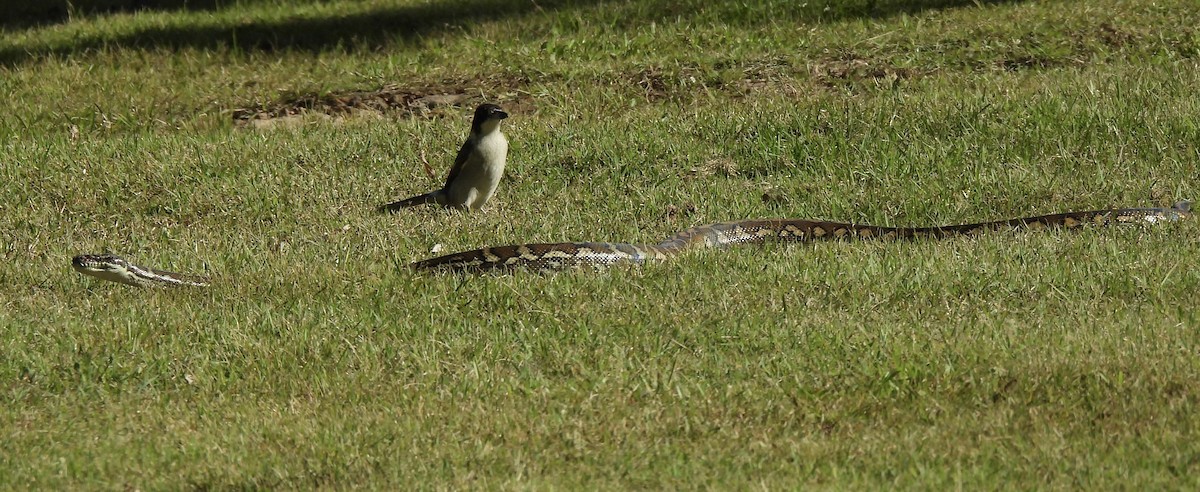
(851, 70)
(687, 80)
(296, 109)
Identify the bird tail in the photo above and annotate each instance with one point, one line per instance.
(422, 199)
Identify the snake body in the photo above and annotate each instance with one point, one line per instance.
(558, 256)
(116, 269)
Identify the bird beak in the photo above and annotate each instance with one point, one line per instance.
(500, 115)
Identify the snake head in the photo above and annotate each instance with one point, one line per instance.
(107, 267)
(98, 263)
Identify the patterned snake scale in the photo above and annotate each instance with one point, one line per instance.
(558, 256)
(115, 269)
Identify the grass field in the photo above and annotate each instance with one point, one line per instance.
(210, 138)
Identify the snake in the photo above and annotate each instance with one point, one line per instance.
(567, 255)
(116, 269)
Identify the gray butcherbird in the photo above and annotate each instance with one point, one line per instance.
(477, 169)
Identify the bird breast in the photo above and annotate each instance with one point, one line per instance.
(493, 151)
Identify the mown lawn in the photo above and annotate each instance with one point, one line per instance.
(252, 140)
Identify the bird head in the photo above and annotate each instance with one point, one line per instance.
(487, 118)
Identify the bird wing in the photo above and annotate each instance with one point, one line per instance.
(463, 154)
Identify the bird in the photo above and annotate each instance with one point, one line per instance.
(477, 168)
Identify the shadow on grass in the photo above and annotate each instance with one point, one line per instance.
(20, 14)
(387, 24)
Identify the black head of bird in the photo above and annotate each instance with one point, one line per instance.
(486, 113)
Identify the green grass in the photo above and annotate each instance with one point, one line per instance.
(1058, 359)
